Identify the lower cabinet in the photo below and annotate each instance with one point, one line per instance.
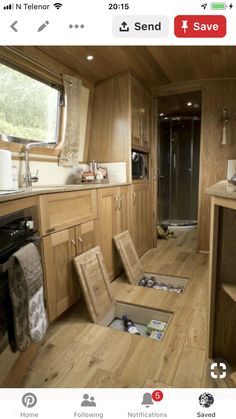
(141, 229)
(59, 249)
(113, 218)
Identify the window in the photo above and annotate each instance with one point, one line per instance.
(29, 109)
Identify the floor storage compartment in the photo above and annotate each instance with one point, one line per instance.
(104, 310)
(135, 273)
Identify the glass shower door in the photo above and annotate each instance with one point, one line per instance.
(181, 149)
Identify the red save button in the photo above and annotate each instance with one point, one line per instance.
(194, 26)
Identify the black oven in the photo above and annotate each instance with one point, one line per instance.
(16, 230)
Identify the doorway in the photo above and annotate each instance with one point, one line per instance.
(179, 126)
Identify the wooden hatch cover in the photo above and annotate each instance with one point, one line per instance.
(129, 257)
(95, 284)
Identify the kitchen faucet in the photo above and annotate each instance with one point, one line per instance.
(27, 177)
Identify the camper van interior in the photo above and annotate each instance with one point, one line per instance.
(117, 222)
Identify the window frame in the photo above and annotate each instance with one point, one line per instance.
(10, 139)
(17, 144)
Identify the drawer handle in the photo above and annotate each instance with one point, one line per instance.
(82, 243)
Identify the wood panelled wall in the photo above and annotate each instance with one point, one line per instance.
(213, 162)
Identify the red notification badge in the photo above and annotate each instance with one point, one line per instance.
(157, 395)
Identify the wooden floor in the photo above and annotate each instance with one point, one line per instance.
(78, 353)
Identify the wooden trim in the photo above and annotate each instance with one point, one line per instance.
(11, 206)
(88, 125)
(174, 88)
(212, 275)
(200, 175)
(225, 202)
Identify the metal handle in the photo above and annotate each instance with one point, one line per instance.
(134, 198)
(73, 243)
(82, 243)
(121, 203)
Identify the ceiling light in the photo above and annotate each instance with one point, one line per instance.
(90, 57)
(189, 104)
(161, 114)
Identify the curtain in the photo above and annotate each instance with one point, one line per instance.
(70, 148)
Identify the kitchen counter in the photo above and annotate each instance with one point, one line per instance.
(47, 189)
(222, 189)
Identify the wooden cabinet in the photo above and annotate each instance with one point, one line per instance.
(113, 218)
(141, 228)
(140, 109)
(60, 280)
(59, 249)
(120, 120)
(110, 125)
(222, 282)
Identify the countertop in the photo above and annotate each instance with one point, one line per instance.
(222, 189)
(41, 190)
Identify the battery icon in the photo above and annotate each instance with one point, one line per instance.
(218, 6)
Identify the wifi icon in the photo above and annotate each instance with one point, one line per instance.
(57, 5)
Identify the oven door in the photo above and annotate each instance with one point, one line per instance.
(7, 334)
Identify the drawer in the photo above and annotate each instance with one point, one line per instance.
(62, 210)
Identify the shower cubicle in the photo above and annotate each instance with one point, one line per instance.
(178, 156)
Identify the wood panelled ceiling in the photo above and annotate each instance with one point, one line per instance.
(155, 66)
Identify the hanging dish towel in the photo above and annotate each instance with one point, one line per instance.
(26, 290)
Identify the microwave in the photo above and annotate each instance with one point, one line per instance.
(139, 165)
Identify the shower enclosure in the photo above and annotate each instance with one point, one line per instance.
(178, 155)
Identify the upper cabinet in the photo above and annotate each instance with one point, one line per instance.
(140, 109)
(120, 120)
(110, 124)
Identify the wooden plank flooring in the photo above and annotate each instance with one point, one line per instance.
(78, 353)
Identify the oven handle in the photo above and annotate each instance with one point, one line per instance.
(6, 265)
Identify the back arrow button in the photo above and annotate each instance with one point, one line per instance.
(13, 26)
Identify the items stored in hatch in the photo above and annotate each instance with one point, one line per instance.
(129, 326)
(151, 282)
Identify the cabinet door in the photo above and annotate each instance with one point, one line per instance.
(141, 217)
(107, 226)
(85, 237)
(136, 98)
(124, 209)
(61, 283)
